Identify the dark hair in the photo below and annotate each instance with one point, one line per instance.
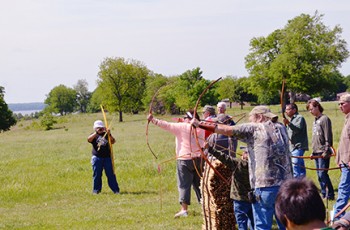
(314, 103)
(299, 201)
(191, 111)
(293, 106)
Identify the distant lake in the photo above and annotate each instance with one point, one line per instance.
(26, 112)
(26, 108)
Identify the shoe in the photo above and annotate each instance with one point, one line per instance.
(182, 213)
(117, 193)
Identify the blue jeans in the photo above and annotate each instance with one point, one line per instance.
(264, 208)
(244, 214)
(98, 164)
(323, 177)
(299, 170)
(343, 191)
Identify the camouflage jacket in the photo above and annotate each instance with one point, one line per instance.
(269, 155)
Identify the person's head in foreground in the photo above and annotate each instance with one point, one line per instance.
(299, 205)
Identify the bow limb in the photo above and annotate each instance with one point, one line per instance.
(319, 169)
(147, 125)
(310, 157)
(109, 138)
(196, 134)
(282, 97)
(339, 213)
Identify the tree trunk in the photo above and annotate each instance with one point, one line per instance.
(120, 116)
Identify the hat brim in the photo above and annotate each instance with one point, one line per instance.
(270, 115)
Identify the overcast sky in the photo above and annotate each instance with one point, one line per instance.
(45, 43)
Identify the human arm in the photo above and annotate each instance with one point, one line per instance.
(285, 121)
(328, 137)
(92, 136)
(213, 127)
(297, 124)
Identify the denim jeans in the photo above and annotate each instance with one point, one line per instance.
(323, 178)
(264, 208)
(98, 164)
(343, 191)
(299, 170)
(244, 214)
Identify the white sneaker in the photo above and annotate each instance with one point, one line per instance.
(182, 213)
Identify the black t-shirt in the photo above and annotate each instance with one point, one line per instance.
(100, 146)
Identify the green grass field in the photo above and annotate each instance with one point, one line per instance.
(46, 176)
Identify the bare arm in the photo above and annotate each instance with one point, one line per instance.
(91, 137)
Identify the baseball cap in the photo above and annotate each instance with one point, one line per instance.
(264, 110)
(98, 124)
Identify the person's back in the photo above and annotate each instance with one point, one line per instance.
(224, 143)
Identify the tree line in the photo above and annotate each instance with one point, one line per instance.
(305, 54)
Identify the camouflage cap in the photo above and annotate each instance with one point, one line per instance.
(264, 110)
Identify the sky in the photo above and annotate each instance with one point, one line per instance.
(45, 43)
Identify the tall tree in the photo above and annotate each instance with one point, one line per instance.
(123, 83)
(61, 99)
(83, 94)
(305, 52)
(235, 89)
(155, 86)
(7, 118)
(346, 81)
(188, 88)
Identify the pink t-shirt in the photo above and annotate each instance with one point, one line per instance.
(186, 147)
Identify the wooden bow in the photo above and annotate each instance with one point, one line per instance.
(147, 125)
(109, 138)
(282, 97)
(196, 135)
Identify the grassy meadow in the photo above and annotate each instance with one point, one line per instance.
(46, 176)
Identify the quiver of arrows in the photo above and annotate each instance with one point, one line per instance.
(217, 207)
